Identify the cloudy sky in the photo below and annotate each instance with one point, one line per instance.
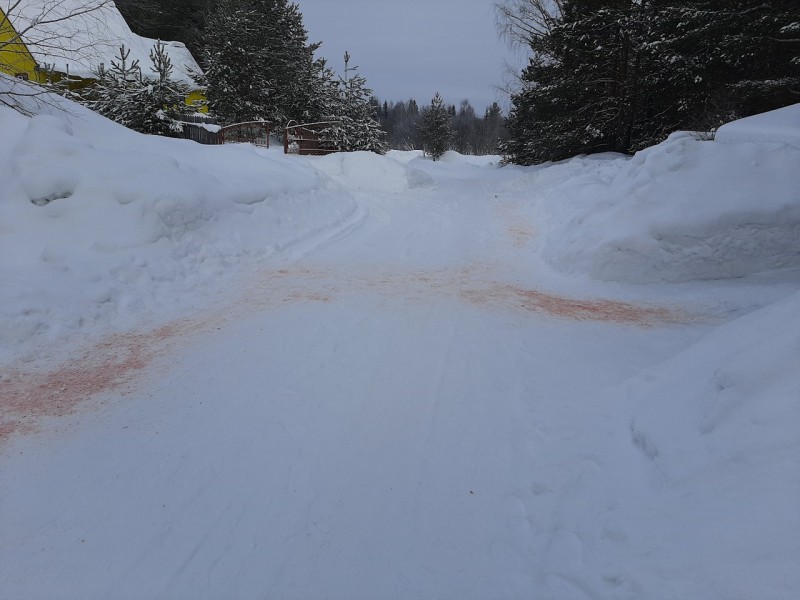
(414, 48)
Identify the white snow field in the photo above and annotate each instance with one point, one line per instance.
(227, 373)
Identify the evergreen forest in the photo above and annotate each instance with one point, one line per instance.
(621, 75)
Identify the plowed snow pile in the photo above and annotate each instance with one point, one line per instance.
(684, 209)
(101, 228)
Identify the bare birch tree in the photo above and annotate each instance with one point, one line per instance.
(521, 21)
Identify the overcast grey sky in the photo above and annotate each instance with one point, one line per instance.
(414, 48)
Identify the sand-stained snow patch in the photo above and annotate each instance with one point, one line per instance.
(598, 309)
(111, 364)
(471, 284)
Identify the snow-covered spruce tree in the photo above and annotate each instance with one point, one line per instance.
(178, 20)
(436, 129)
(729, 58)
(144, 104)
(257, 61)
(323, 89)
(165, 97)
(237, 89)
(118, 91)
(354, 116)
(620, 75)
(582, 88)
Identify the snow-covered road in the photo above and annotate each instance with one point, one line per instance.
(359, 377)
(400, 412)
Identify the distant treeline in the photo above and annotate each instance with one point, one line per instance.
(470, 133)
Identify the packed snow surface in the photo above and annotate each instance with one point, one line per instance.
(228, 373)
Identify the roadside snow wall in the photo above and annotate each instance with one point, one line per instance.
(684, 209)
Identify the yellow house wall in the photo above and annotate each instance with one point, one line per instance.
(15, 59)
(197, 99)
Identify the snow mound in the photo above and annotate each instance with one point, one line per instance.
(693, 491)
(679, 211)
(453, 157)
(781, 126)
(723, 396)
(101, 227)
(404, 156)
(368, 171)
(716, 428)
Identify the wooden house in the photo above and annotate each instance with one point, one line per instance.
(45, 40)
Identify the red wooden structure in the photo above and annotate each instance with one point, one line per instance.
(252, 132)
(307, 139)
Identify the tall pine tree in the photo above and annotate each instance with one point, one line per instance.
(258, 62)
(355, 116)
(436, 128)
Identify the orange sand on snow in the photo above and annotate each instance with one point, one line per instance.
(613, 311)
(109, 365)
(26, 397)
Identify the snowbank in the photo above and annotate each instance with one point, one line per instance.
(404, 156)
(682, 210)
(368, 171)
(451, 156)
(457, 158)
(692, 477)
(780, 126)
(717, 430)
(711, 406)
(101, 227)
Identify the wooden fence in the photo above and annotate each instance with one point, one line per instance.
(253, 132)
(207, 130)
(307, 139)
(200, 129)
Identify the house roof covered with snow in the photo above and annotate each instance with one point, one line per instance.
(78, 36)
